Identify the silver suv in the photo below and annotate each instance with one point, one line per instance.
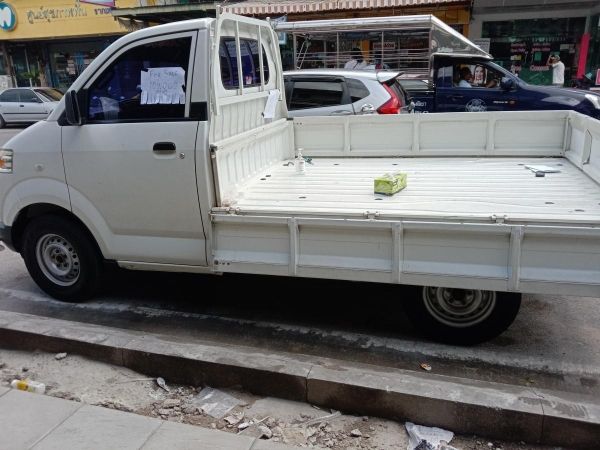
(335, 92)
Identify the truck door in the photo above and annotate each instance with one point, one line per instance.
(471, 87)
(131, 165)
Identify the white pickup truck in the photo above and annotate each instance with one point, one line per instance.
(167, 154)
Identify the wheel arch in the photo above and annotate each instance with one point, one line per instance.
(30, 212)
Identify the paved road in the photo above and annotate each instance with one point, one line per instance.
(554, 343)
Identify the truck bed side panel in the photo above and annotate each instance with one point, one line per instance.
(533, 259)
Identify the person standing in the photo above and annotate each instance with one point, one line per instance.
(558, 70)
(357, 61)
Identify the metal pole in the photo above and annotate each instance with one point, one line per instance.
(294, 50)
(337, 50)
(382, 47)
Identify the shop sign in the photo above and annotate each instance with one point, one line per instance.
(43, 14)
(8, 18)
(388, 45)
(483, 44)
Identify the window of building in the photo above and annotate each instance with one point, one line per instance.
(117, 92)
(250, 63)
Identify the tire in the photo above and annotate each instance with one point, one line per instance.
(2, 122)
(61, 258)
(461, 316)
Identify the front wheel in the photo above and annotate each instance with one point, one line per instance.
(462, 316)
(61, 258)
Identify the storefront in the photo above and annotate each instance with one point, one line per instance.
(522, 36)
(524, 46)
(51, 42)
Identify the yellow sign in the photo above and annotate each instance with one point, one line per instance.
(36, 19)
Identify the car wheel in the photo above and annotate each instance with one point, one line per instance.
(61, 258)
(461, 316)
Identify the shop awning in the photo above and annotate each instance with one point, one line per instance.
(264, 7)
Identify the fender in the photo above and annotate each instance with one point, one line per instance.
(34, 191)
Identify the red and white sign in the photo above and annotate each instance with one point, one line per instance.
(386, 45)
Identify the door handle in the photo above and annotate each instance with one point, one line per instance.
(456, 97)
(341, 113)
(164, 147)
(21, 106)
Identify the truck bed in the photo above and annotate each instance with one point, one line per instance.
(457, 188)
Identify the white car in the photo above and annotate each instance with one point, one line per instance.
(27, 105)
(340, 92)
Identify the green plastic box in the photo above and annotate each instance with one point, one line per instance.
(390, 183)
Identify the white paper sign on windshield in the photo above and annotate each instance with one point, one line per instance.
(162, 85)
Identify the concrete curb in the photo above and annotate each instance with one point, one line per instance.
(493, 410)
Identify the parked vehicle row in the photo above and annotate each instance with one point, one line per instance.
(27, 105)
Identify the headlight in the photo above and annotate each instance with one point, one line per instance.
(594, 99)
(6, 161)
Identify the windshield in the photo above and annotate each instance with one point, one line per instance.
(52, 95)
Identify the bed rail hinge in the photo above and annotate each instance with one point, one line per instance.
(371, 215)
(499, 219)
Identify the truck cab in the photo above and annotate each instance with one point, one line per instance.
(493, 88)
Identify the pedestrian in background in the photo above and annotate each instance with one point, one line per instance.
(357, 61)
(558, 70)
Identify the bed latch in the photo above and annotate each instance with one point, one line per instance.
(499, 219)
(371, 215)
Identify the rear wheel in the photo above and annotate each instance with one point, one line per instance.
(462, 316)
(61, 258)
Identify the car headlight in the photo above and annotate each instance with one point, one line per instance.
(594, 99)
(6, 161)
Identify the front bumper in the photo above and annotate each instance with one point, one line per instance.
(6, 236)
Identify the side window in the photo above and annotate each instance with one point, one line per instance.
(250, 63)
(476, 76)
(316, 94)
(446, 77)
(130, 90)
(11, 96)
(356, 89)
(27, 96)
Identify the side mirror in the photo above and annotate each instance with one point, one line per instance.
(72, 108)
(507, 84)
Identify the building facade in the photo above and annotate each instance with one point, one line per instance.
(50, 42)
(522, 34)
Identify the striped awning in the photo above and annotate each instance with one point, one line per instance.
(264, 7)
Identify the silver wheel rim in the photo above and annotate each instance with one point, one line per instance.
(58, 260)
(459, 308)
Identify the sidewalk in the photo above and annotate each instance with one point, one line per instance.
(33, 421)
